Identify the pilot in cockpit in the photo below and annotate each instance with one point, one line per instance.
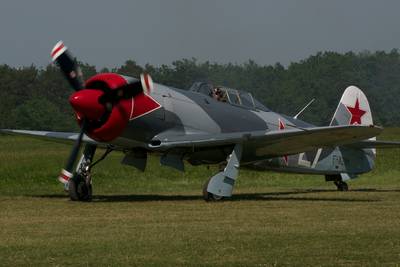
(219, 95)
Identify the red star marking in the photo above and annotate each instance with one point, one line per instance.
(282, 127)
(356, 113)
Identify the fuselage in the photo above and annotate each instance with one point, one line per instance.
(187, 112)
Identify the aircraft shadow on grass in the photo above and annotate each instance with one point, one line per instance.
(270, 196)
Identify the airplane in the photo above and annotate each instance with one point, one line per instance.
(206, 125)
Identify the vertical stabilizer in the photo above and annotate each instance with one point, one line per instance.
(353, 109)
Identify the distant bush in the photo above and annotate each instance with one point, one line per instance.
(33, 98)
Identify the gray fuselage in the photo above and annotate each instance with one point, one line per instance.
(187, 112)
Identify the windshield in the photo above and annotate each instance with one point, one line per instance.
(260, 106)
(237, 98)
(228, 95)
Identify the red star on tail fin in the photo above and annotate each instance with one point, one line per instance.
(356, 113)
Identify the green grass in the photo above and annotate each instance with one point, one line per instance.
(157, 218)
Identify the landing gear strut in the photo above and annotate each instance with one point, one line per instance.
(221, 185)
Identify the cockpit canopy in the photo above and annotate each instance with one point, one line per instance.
(228, 95)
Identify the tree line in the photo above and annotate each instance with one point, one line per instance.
(37, 98)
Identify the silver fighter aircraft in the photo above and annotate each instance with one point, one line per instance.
(207, 125)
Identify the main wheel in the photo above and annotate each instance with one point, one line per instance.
(80, 189)
(207, 196)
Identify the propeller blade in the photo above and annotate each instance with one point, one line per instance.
(67, 173)
(144, 85)
(68, 65)
(147, 83)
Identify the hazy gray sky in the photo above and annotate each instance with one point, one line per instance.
(106, 33)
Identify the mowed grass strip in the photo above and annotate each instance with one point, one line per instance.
(157, 218)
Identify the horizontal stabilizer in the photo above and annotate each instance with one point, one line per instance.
(375, 144)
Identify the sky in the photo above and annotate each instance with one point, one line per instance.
(107, 33)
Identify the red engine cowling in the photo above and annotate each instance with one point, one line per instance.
(104, 104)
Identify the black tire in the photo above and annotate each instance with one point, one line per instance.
(79, 189)
(345, 187)
(207, 196)
(73, 193)
(341, 186)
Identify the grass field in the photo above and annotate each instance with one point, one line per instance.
(158, 218)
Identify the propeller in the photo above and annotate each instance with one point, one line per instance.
(103, 105)
(73, 74)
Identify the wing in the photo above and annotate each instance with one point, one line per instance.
(274, 143)
(57, 136)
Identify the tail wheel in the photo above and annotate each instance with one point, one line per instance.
(341, 186)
